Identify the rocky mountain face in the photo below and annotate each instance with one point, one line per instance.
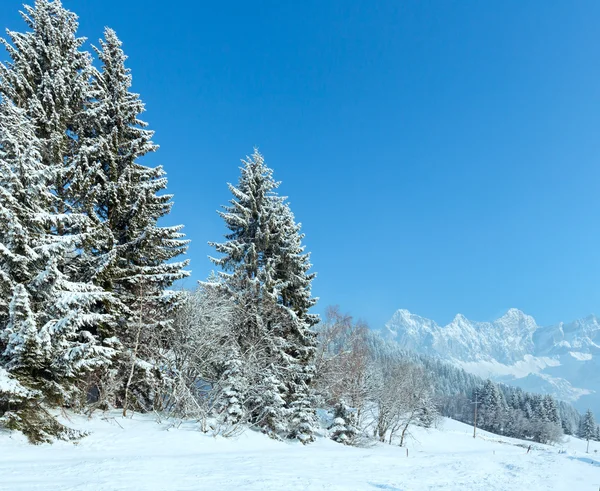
(562, 359)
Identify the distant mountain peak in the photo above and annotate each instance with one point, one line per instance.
(513, 312)
(507, 338)
(565, 356)
(460, 318)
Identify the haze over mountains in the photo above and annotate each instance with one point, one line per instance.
(562, 359)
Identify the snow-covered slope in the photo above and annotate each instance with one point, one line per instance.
(138, 454)
(563, 360)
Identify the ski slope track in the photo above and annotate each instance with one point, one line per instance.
(141, 454)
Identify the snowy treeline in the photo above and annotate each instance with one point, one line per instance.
(522, 415)
(247, 352)
(509, 411)
(87, 319)
(502, 409)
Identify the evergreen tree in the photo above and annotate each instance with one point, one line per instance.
(266, 270)
(28, 350)
(427, 414)
(269, 411)
(50, 340)
(31, 342)
(127, 197)
(493, 408)
(233, 393)
(551, 410)
(73, 311)
(124, 198)
(343, 429)
(293, 289)
(588, 428)
(540, 410)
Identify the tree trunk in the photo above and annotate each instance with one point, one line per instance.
(135, 350)
(402, 438)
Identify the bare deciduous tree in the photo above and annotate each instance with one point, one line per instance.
(402, 396)
(343, 361)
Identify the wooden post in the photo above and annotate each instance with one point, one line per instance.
(475, 402)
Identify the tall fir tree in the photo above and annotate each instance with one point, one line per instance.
(136, 253)
(47, 79)
(44, 346)
(85, 270)
(266, 270)
(551, 410)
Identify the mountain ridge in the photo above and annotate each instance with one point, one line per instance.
(561, 359)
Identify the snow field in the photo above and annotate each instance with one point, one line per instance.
(141, 454)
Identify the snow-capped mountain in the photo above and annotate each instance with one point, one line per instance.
(562, 359)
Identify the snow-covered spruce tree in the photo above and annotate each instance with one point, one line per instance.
(126, 201)
(42, 341)
(546, 424)
(266, 270)
(233, 393)
(588, 428)
(47, 79)
(22, 199)
(45, 357)
(344, 428)
(256, 345)
(72, 313)
(427, 416)
(551, 410)
(492, 411)
(29, 251)
(28, 349)
(294, 293)
(266, 399)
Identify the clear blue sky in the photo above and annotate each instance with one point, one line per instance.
(443, 156)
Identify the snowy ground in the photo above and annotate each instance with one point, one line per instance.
(140, 454)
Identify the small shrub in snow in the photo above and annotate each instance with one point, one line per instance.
(343, 430)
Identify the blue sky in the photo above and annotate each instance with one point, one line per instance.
(441, 155)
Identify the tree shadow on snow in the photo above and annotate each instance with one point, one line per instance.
(587, 460)
(384, 486)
